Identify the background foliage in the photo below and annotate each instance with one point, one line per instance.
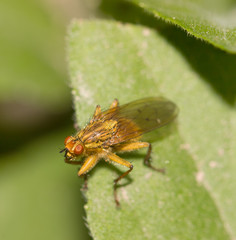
(39, 194)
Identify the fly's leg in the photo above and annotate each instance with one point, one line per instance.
(115, 103)
(147, 160)
(138, 145)
(117, 180)
(85, 185)
(113, 157)
(88, 164)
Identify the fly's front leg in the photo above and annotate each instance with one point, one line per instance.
(113, 157)
(139, 145)
(85, 186)
(88, 164)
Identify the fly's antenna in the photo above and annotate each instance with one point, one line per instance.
(64, 150)
(61, 151)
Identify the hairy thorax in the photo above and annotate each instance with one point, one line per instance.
(96, 134)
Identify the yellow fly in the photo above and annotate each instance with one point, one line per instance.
(118, 129)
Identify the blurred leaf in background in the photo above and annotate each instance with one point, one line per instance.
(33, 77)
(39, 194)
(39, 199)
(34, 93)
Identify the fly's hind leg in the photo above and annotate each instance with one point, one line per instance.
(113, 157)
(138, 145)
(147, 160)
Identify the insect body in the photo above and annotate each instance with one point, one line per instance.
(118, 129)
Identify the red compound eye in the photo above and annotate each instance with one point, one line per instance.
(78, 149)
(67, 139)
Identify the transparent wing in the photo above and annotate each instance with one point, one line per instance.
(139, 117)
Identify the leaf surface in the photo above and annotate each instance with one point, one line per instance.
(196, 198)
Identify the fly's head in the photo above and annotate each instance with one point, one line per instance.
(73, 148)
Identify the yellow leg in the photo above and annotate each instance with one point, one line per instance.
(131, 146)
(88, 164)
(113, 157)
(138, 145)
(115, 103)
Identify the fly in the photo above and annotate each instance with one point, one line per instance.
(118, 129)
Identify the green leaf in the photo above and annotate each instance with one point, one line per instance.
(196, 198)
(212, 20)
(39, 193)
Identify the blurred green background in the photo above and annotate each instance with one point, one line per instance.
(39, 193)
